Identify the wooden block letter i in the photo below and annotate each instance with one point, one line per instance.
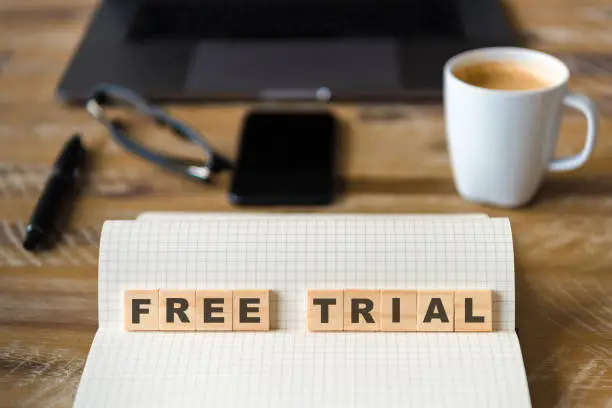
(398, 310)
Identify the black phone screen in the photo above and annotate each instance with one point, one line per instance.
(286, 159)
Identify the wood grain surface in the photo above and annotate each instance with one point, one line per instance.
(394, 160)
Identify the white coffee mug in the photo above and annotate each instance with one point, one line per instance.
(502, 142)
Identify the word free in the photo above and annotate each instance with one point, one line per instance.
(196, 310)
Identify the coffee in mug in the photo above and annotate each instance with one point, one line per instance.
(503, 108)
(502, 75)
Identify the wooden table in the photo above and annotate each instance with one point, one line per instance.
(394, 161)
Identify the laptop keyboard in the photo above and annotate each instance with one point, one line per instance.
(294, 20)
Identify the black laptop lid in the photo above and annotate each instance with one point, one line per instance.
(223, 19)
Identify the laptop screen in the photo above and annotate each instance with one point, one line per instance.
(200, 19)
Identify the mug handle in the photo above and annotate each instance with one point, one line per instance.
(586, 106)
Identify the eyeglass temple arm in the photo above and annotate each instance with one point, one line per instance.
(201, 173)
(216, 162)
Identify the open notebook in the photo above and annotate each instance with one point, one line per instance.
(289, 366)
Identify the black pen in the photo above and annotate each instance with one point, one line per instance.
(57, 196)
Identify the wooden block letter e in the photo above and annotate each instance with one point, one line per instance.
(251, 310)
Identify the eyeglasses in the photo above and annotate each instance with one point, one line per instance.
(116, 95)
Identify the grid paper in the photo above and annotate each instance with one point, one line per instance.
(272, 369)
(181, 215)
(290, 367)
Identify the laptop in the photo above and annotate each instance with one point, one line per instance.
(226, 50)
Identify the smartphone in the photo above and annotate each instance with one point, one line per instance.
(286, 158)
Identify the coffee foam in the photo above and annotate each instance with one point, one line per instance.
(502, 75)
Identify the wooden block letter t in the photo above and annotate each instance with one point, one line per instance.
(325, 310)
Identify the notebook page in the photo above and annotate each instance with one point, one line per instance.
(289, 256)
(178, 215)
(290, 367)
(281, 370)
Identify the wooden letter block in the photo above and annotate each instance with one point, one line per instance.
(140, 310)
(398, 310)
(361, 310)
(177, 310)
(251, 310)
(325, 310)
(435, 311)
(473, 311)
(214, 310)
